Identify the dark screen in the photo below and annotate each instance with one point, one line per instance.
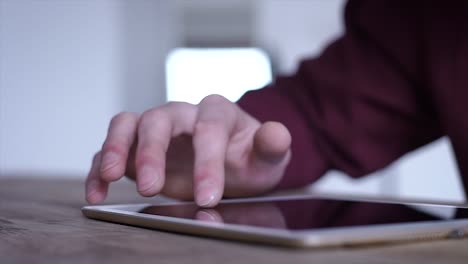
(305, 213)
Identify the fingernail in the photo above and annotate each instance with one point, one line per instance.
(109, 160)
(147, 179)
(209, 216)
(205, 195)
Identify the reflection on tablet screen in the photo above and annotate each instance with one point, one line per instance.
(307, 214)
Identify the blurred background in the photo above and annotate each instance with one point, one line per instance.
(67, 66)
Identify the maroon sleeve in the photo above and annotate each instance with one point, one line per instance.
(361, 104)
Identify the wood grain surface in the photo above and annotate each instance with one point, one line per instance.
(41, 222)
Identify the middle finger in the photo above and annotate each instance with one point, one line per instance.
(215, 121)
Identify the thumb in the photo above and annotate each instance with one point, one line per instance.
(268, 159)
(272, 143)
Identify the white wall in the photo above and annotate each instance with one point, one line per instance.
(66, 67)
(150, 29)
(292, 30)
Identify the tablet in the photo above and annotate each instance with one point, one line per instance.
(296, 221)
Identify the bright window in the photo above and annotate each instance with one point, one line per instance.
(193, 73)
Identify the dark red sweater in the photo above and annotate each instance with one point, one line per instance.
(396, 80)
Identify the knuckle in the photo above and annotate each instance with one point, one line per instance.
(208, 126)
(219, 107)
(114, 146)
(153, 114)
(147, 155)
(123, 117)
(117, 143)
(177, 105)
(142, 159)
(173, 104)
(214, 99)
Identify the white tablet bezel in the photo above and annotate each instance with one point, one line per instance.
(336, 236)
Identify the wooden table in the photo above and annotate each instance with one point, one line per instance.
(41, 222)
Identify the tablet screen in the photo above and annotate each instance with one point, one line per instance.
(310, 213)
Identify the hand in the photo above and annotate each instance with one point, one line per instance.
(187, 151)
